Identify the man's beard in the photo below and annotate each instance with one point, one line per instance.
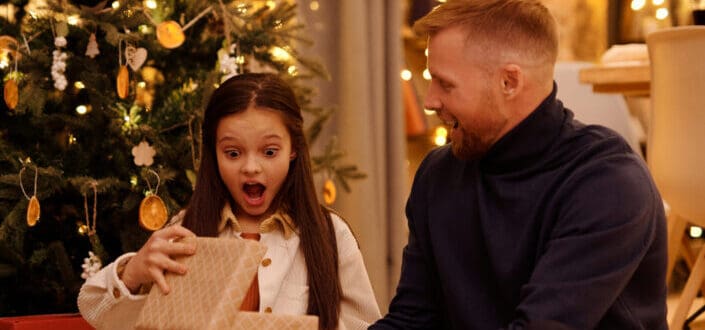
(470, 147)
(475, 143)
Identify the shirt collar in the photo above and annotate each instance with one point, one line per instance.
(277, 221)
(526, 143)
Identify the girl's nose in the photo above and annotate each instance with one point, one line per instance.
(252, 166)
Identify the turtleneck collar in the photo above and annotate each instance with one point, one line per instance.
(526, 143)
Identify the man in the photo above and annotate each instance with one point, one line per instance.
(529, 219)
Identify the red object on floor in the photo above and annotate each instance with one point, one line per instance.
(42, 322)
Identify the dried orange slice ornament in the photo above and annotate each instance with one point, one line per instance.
(33, 211)
(123, 82)
(11, 94)
(170, 34)
(153, 213)
(329, 192)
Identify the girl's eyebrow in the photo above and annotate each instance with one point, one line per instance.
(227, 138)
(273, 136)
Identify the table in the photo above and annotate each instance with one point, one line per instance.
(629, 78)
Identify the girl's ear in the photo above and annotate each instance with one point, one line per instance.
(293, 155)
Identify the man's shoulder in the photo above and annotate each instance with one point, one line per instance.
(441, 157)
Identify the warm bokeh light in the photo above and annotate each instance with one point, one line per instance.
(279, 54)
(79, 85)
(73, 20)
(429, 112)
(405, 74)
(661, 13)
(440, 136)
(116, 4)
(440, 140)
(151, 4)
(695, 232)
(82, 228)
(82, 109)
(638, 4)
(658, 2)
(314, 5)
(426, 74)
(141, 84)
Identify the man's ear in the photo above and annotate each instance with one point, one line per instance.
(512, 80)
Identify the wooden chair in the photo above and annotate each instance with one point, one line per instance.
(676, 141)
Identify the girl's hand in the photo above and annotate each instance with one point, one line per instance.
(155, 258)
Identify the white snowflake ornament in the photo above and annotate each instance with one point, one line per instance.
(91, 265)
(144, 154)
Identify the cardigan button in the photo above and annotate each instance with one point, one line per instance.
(116, 293)
(268, 310)
(266, 262)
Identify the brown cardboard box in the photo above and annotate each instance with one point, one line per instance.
(208, 297)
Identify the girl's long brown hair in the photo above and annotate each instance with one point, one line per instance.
(297, 195)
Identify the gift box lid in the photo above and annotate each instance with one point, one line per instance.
(210, 293)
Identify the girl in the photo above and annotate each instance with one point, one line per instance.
(254, 182)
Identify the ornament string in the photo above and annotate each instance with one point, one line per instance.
(91, 226)
(120, 51)
(226, 22)
(188, 25)
(193, 143)
(198, 17)
(36, 175)
(149, 185)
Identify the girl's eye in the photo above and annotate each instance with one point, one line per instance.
(271, 152)
(232, 153)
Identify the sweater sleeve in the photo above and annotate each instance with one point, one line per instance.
(106, 303)
(609, 230)
(358, 306)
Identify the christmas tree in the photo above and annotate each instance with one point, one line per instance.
(102, 109)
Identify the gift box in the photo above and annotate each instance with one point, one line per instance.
(209, 295)
(42, 322)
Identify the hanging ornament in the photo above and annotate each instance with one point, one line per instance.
(90, 226)
(229, 65)
(135, 57)
(58, 65)
(144, 154)
(33, 208)
(91, 265)
(329, 192)
(92, 49)
(153, 213)
(170, 34)
(9, 51)
(123, 82)
(9, 48)
(123, 77)
(11, 93)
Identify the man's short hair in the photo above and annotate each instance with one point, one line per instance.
(524, 27)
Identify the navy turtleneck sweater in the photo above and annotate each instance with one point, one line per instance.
(559, 225)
